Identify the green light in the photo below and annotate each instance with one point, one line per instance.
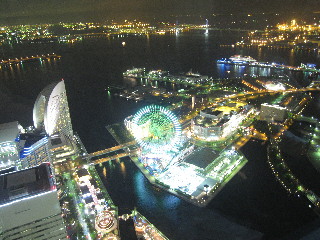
(159, 127)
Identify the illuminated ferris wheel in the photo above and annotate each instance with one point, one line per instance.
(156, 128)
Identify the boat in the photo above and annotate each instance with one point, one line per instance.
(238, 60)
(223, 61)
(192, 74)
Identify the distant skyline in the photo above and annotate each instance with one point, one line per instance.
(28, 11)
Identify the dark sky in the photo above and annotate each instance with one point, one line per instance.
(53, 10)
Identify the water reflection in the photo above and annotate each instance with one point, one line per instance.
(104, 172)
(111, 165)
(223, 70)
(259, 53)
(22, 70)
(11, 71)
(109, 97)
(146, 198)
(171, 201)
(291, 57)
(123, 169)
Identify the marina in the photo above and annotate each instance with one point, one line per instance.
(188, 78)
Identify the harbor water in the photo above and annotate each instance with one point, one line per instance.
(250, 206)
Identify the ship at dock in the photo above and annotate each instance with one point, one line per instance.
(251, 62)
(238, 60)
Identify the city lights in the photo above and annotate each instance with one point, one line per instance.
(189, 112)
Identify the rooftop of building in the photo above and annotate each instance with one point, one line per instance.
(209, 122)
(25, 183)
(291, 101)
(88, 199)
(8, 170)
(211, 111)
(82, 172)
(58, 141)
(100, 196)
(9, 131)
(201, 157)
(273, 106)
(84, 190)
(93, 183)
(30, 138)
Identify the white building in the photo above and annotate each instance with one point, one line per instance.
(51, 110)
(208, 125)
(211, 125)
(51, 115)
(271, 112)
(29, 205)
(128, 122)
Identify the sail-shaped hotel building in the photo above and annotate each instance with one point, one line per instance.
(51, 116)
(51, 110)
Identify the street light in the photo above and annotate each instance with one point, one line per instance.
(206, 188)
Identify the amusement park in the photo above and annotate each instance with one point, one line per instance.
(175, 161)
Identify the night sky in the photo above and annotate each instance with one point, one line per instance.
(53, 10)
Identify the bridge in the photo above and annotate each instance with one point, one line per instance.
(26, 59)
(113, 157)
(112, 149)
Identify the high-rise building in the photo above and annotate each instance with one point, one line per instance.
(51, 110)
(35, 152)
(51, 116)
(9, 144)
(29, 205)
(62, 147)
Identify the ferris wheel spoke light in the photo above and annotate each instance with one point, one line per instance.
(156, 128)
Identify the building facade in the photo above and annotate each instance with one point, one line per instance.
(208, 125)
(212, 125)
(29, 205)
(273, 112)
(35, 154)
